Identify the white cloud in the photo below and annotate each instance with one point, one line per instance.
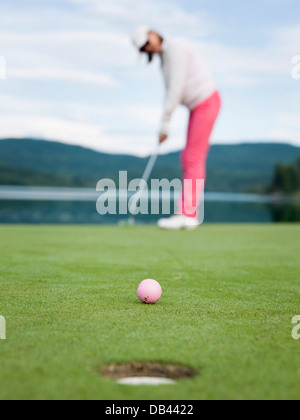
(49, 128)
(147, 115)
(63, 36)
(286, 38)
(290, 120)
(81, 49)
(237, 66)
(48, 74)
(287, 127)
(10, 103)
(27, 118)
(80, 131)
(281, 135)
(164, 15)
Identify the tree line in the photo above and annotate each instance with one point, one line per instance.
(286, 179)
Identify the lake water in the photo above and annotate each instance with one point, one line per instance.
(78, 206)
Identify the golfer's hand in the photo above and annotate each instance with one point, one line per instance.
(163, 138)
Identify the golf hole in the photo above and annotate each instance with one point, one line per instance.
(136, 373)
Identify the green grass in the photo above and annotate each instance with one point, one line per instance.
(69, 298)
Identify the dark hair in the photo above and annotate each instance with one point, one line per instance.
(150, 55)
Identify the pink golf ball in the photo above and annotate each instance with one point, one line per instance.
(149, 291)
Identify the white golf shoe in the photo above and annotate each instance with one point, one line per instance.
(179, 222)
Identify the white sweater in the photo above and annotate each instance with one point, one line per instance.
(188, 80)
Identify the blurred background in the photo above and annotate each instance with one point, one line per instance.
(78, 104)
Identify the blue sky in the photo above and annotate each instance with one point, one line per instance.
(72, 74)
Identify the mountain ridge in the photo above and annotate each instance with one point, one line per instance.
(230, 168)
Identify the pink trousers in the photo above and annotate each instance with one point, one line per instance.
(193, 158)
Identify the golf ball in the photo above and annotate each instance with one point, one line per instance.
(149, 291)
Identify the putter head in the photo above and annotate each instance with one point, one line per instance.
(127, 222)
(131, 221)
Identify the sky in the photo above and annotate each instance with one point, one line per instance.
(72, 74)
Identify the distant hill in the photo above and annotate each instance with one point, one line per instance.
(237, 168)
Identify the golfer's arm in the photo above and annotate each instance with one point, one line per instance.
(178, 67)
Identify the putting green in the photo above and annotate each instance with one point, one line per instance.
(229, 295)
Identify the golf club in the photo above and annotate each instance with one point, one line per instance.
(145, 178)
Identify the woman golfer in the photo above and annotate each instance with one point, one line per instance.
(188, 82)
